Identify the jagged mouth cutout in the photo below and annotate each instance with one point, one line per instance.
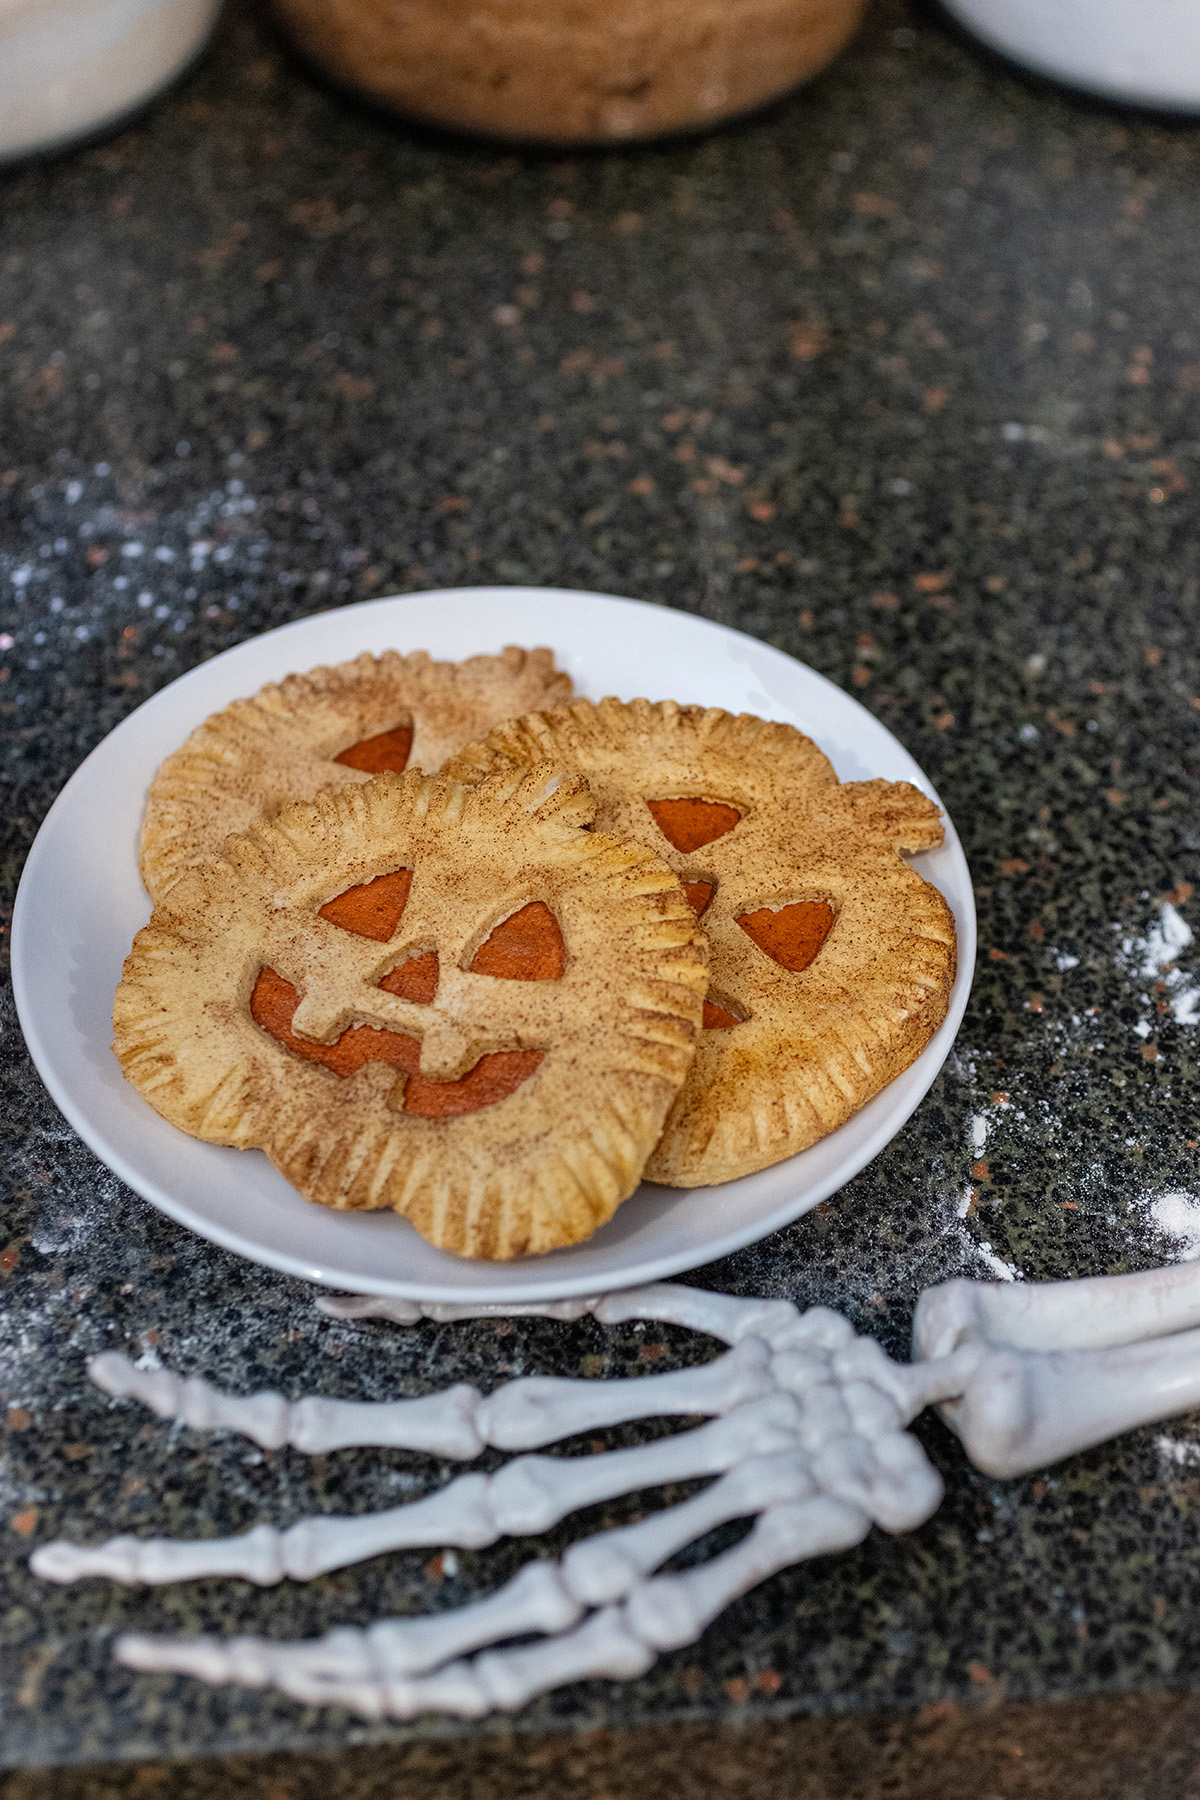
(791, 936)
(526, 945)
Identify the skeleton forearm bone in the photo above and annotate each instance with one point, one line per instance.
(1051, 1369)
(1022, 1411)
(1092, 1314)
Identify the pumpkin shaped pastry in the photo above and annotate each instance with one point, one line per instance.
(333, 727)
(459, 1003)
(831, 961)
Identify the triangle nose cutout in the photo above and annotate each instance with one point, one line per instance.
(527, 946)
(793, 935)
(415, 979)
(690, 823)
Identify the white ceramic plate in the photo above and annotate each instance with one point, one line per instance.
(80, 903)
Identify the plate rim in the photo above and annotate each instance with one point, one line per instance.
(561, 1284)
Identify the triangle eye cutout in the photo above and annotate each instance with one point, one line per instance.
(414, 979)
(388, 750)
(527, 946)
(373, 909)
(690, 823)
(699, 893)
(718, 1018)
(792, 936)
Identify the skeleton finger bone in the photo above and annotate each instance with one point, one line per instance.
(535, 1492)
(603, 1645)
(459, 1514)
(719, 1315)
(528, 1495)
(444, 1424)
(539, 1598)
(443, 1312)
(539, 1409)
(372, 1672)
(522, 1415)
(608, 1566)
(618, 1641)
(536, 1599)
(504, 1680)
(672, 1610)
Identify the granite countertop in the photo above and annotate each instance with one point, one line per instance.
(900, 376)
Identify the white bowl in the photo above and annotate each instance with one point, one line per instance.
(1143, 52)
(71, 67)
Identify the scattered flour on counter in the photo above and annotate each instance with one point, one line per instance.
(980, 1249)
(979, 1127)
(1163, 941)
(1181, 1451)
(1003, 1271)
(1153, 958)
(1177, 1215)
(1186, 1006)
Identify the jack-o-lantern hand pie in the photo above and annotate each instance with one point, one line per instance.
(333, 727)
(457, 1002)
(831, 961)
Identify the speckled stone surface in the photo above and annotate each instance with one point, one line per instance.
(901, 377)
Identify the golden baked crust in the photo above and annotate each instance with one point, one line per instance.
(278, 746)
(810, 1045)
(541, 1168)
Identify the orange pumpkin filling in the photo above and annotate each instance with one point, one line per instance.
(717, 1018)
(527, 946)
(793, 935)
(699, 893)
(387, 750)
(415, 979)
(273, 1005)
(373, 909)
(690, 823)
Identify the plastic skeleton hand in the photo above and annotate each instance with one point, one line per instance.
(808, 1429)
(806, 1434)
